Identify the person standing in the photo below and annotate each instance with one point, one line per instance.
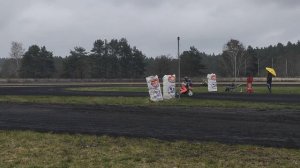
(269, 82)
(249, 84)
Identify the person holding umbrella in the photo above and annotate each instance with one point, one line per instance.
(271, 73)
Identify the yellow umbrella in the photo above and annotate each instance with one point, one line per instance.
(271, 70)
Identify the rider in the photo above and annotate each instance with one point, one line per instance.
(186, 87)
(187, 82)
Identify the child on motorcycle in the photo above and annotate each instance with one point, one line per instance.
(186, 86)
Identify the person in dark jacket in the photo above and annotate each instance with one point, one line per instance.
(188, 82)
(269, 82)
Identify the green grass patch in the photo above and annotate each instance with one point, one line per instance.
(76, 100)
(201, 89)
(31, 149)
(144, 101)
(278, 90)
(109, 89)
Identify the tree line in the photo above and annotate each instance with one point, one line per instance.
(117, 59)
(236, 58)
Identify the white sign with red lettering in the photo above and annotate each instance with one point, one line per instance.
(212, 82)
(154, 88)
(169, 86)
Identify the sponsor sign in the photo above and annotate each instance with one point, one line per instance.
(154, 88)
(212, 82)
(169, 86)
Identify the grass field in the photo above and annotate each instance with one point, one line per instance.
(31, 149)
(144, 101)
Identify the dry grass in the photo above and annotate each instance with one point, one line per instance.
(31, 149)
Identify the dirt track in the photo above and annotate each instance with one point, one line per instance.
(277, 128)
(233, 126)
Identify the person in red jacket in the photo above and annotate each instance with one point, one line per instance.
(186, 86)
(249, 84)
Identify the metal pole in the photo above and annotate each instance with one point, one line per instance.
(286, 68)
(272, 63)
(235, 68)
(178, 38)
(245, 66)
(258, 67)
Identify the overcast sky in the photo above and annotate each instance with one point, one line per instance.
(150, 25)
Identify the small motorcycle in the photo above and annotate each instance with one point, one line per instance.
(186, 88)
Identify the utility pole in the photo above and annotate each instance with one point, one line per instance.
(286, 67)
(178, 39)
(258, 67)
(235, 67)
(245, 66)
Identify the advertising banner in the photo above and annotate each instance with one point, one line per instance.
(212, 82)
(154, 88)
(169, 86)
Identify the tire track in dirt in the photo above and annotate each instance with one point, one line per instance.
(276, 128)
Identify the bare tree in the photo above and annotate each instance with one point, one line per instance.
(16, 53)
(233, 57)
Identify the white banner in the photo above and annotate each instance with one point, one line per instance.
(212, 82)
(169, 86)
(154, 88)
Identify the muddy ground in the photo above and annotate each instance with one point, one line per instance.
(275, 128)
